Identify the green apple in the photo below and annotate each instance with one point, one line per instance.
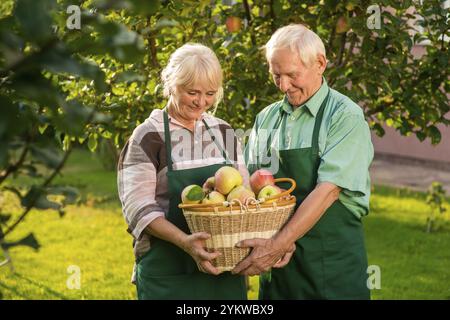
(192, 194)
(213, 197)
(226, 179)
(268, 191)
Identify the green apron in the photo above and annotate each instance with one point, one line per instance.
(330, 260)
(166, 271)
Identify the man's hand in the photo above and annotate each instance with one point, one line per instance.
(266, 254)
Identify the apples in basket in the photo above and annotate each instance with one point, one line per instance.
(231, 212)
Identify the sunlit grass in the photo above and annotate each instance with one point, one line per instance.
(92, 236)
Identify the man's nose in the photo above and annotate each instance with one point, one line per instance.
(285, 84)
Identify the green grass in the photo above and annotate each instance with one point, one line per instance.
(92, 236)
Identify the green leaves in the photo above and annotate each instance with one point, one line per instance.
(34, 19)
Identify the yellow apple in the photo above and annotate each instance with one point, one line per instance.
(241, 193)
(213, 197)
(227, 178)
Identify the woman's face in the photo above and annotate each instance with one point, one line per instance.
(192, 101)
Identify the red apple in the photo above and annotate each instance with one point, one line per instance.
(342, 25)
(208, 186)
(233, 24)
(261, 178)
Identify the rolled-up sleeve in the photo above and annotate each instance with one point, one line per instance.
(347, 156)
(137, 181)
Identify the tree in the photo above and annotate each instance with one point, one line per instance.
(41, 117)
(61, 85)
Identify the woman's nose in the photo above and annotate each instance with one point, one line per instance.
(200, 101)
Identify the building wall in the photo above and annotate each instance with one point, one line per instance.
(395, 144)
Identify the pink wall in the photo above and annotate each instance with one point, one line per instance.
(394, 143)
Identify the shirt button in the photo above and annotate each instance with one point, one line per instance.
(292, 117)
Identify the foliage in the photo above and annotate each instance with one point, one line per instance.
(60, 86)
(41, 117)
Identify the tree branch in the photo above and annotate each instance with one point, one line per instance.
(13, 167)
(341, 49)
(248, 16)
(272, 16)
(36, 197)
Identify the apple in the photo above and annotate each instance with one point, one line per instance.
(227, 178)
(213, 197)
(240, 193)
(192, 194)
(208, 186)
(261, 178)
(269, 191)
(342, 25)
(233, 24)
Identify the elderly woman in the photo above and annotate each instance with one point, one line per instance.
(176, 147)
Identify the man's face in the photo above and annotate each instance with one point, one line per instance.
(292, 77)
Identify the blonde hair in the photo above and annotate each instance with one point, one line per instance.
(298, 38)
(190, 64)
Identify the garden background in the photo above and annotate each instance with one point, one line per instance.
(76, 77)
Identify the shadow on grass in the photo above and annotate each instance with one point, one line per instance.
(49, 291)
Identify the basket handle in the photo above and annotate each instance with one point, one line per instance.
(286, 192)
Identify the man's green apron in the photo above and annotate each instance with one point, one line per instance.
(166, 271)
(330, 260)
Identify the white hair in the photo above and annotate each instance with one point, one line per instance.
(191, 64)
(298, 38)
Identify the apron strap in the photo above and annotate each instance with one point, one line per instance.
(317, 124)
(224, 153)
(169, 144)
(315, 137)
(167, 141)
(270, 137)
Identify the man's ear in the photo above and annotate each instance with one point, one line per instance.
(321, 63)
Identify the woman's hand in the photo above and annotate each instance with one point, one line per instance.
(194, 245)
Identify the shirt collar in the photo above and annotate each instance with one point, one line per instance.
(312, 104)
(158, 115)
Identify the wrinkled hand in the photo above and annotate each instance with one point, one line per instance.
(286, 258)
(266, 254)
(194, 245)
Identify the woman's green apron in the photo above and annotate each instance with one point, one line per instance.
(166, 271)
(330, 260)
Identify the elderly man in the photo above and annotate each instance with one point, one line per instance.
(321, 140)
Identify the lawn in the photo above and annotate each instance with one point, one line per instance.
(92, 237)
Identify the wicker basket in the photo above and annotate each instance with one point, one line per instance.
(229, 223)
